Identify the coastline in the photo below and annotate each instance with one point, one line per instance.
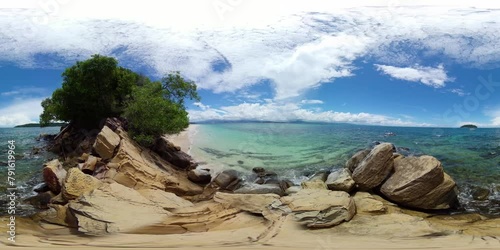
(185, 138)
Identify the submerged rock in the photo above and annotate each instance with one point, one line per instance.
(375, 167)
(340, 180)
(320, 208)
(480, 193)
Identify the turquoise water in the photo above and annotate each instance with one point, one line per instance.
(28, 166)
(471, 157)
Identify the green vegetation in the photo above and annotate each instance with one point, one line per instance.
(98, 88)
(37, 125)
(468, 126)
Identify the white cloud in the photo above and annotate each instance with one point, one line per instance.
(282, 112)
(21, 112)
(459, 92)
(300, 48)
(24, 91)
(434, 77)
(311, 102)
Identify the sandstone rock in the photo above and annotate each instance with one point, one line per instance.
(227, 179)
(59, 215)
(356, 159)
(375, 168)
(444, 196)
(171, 153)
(340, 180)
(253, 188)
(366, 203)
(293, 190)
(106, 143)
(53, 175)
(90, 164)
(77, 183)
(115, 208)
(164, 199)
(315, 184)
(320, 208)
(253, 203)
(201, 176)
(321, 175)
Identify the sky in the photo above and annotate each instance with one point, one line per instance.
(394, 63)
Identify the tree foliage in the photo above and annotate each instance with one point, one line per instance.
(98, 88)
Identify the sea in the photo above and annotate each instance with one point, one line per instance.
(296, 151)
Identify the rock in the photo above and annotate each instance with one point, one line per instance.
(413, 177)
(106, 143)
(258, 170)
(480, 193)
(293, 190)
(41, 188)
(90, 164)
(171, 153)
(164, 199)
(320, 208)
(252, 188)
(356, 159)
(315, 184)
(114, 208)
(201, 176)
(227, 180)
(375, 168)
(366, 203)
(53, 175)
(253, 203)
(59, 215)
(444, 196)
(340, 180)
(41, 200)
(321, 175)
(78, 183)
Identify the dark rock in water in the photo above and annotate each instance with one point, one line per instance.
(227, 179)
(480, 193)
(357, 158)
(41, 188)
(490, 155)
(171, 153)
(240, 162)
(201, 176)
(375, 143)
(41, 200)
(258, 170)
(262, 176)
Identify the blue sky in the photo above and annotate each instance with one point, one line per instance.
(366, 62)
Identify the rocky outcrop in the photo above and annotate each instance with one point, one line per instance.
(77, 183)
(420, 182)
(106, 143)
(340, 180)
(253, 203)
(115, 208)
(375, 167)
(253, 188)
(173, 154)
(54, 175)
(314, 184)
(320, 208)
(366, 203)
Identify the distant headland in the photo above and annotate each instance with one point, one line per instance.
(35, 125)
(468, 126)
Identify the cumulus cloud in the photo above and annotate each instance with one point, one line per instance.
(434, 77)
(285, 112)
(21, 112)
(295, 53)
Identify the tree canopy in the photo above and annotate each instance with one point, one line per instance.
(98, 88)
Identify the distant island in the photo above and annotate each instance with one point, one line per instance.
(37, 125)
(468, 126)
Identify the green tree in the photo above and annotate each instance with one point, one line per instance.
(92, 90)
(158, 108)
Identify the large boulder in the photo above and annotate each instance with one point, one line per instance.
(340, 180)
(77, 183)
(114, 208)
(173, 154)
(227, 180)
(54, 175)
(320, 208)
(375, 167)
(418, 182)
(106, 143)
(201, 176)
(356, 159)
